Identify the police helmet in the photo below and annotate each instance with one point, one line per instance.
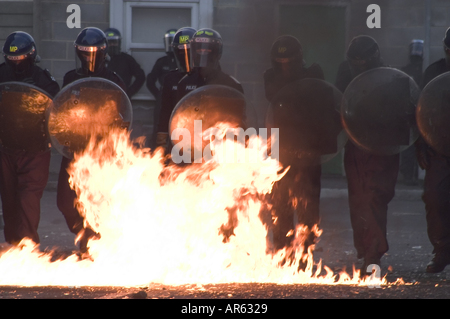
(91, 48)
(182, 48)
(114, 39)
(286, 55)
(168, 38)
(363, 54)
(416, 48)
(206, 49)
(20, 52)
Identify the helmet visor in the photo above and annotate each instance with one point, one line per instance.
(113, 46)
(20, 63)
(182, 55)
(204, 54)
(168, 43)
(89, 59)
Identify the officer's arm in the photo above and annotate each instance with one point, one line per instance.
(166, 107)
(139, 78)
(152, 77)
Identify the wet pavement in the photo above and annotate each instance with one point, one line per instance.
(408, 255)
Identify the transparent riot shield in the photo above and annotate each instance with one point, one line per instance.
(378, 111)
(210, 107)
(306, 112)
(22, 117)
(87, 108)
(433, 114)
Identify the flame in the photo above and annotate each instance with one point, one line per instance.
(172, 225)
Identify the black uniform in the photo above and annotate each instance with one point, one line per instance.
(299, 190)
(127, 68)
(194, 80)
(437, 182)
(169, 98)
(274, 82)
(160, 69)
(66, 197)
(24, 175)
(371, 186)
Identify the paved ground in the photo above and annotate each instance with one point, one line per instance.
(408, 255)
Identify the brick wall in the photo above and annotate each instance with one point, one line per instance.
(248, 28)
(56, 39)
(15, 16)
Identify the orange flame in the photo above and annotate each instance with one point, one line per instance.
(167, 225)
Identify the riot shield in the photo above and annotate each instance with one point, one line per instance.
(433, 113)
(306, 112)
(22, 117)
(87, 108)
(378, 111)
(210, 106)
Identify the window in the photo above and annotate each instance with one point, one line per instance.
(144, 23)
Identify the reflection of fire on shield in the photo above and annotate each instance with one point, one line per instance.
(307, 115)
(85, 109)
(216, 106)
(378, 111)
(433, 114)
(22, 117)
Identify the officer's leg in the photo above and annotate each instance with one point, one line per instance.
(381, 191)
(307, 191)
(437, 203)
(357, 197)
(32, 179)
(66, 199)
(8, 187)
(282, 212)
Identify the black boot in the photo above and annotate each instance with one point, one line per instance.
(438, 263)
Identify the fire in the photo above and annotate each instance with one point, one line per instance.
(170, 224)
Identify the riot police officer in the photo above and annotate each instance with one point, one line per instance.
(437, 179)
(123, 64)
(371, 178)
(206, 51)
(160, 69)
(181, 49)
(162, 66)
(299, 189)
(23, 174)
(288, 65)
(91, 49)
